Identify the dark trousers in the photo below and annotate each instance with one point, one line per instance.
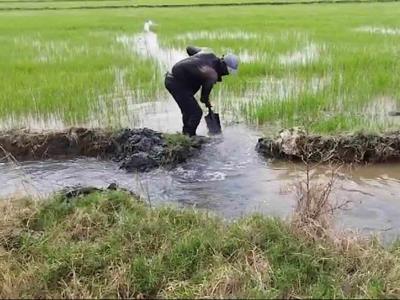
(191, 111)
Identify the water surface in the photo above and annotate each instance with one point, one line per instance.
(228, 178)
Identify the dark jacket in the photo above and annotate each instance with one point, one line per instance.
(200, 70)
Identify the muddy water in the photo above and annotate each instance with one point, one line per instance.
(228, 178)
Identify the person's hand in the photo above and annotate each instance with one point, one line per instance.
(206, 103)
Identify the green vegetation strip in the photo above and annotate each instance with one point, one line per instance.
(109, 244)
(90, 5)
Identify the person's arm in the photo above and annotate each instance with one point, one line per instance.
(211, 78)
(191, 50)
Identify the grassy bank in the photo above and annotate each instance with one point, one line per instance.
(110, 244)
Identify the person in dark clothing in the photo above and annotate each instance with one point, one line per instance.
(199, 70)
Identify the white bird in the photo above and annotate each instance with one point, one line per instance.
(147, 25)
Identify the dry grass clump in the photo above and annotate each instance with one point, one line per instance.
(315, 209)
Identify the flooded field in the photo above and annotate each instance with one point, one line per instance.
(91, 65)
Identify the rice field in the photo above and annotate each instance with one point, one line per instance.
(331, 67)
(73, 4)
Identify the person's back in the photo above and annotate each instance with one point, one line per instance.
(199, 70)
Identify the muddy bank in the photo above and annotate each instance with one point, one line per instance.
(295, 144)
(134, 149)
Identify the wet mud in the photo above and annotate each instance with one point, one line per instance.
(134, 149)
(294, 144)
(79, 190)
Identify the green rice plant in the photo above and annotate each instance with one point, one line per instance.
(298, 62)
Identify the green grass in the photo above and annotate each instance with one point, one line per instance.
(71, 71)
(95, 3)
(79, 4)
(112, 245)
(61, 62)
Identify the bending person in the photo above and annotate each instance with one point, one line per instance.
(199, 70)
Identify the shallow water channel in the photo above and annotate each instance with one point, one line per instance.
(228, 178)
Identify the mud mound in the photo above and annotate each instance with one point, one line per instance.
(134, 149)
(144, 149)
(294, 144)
